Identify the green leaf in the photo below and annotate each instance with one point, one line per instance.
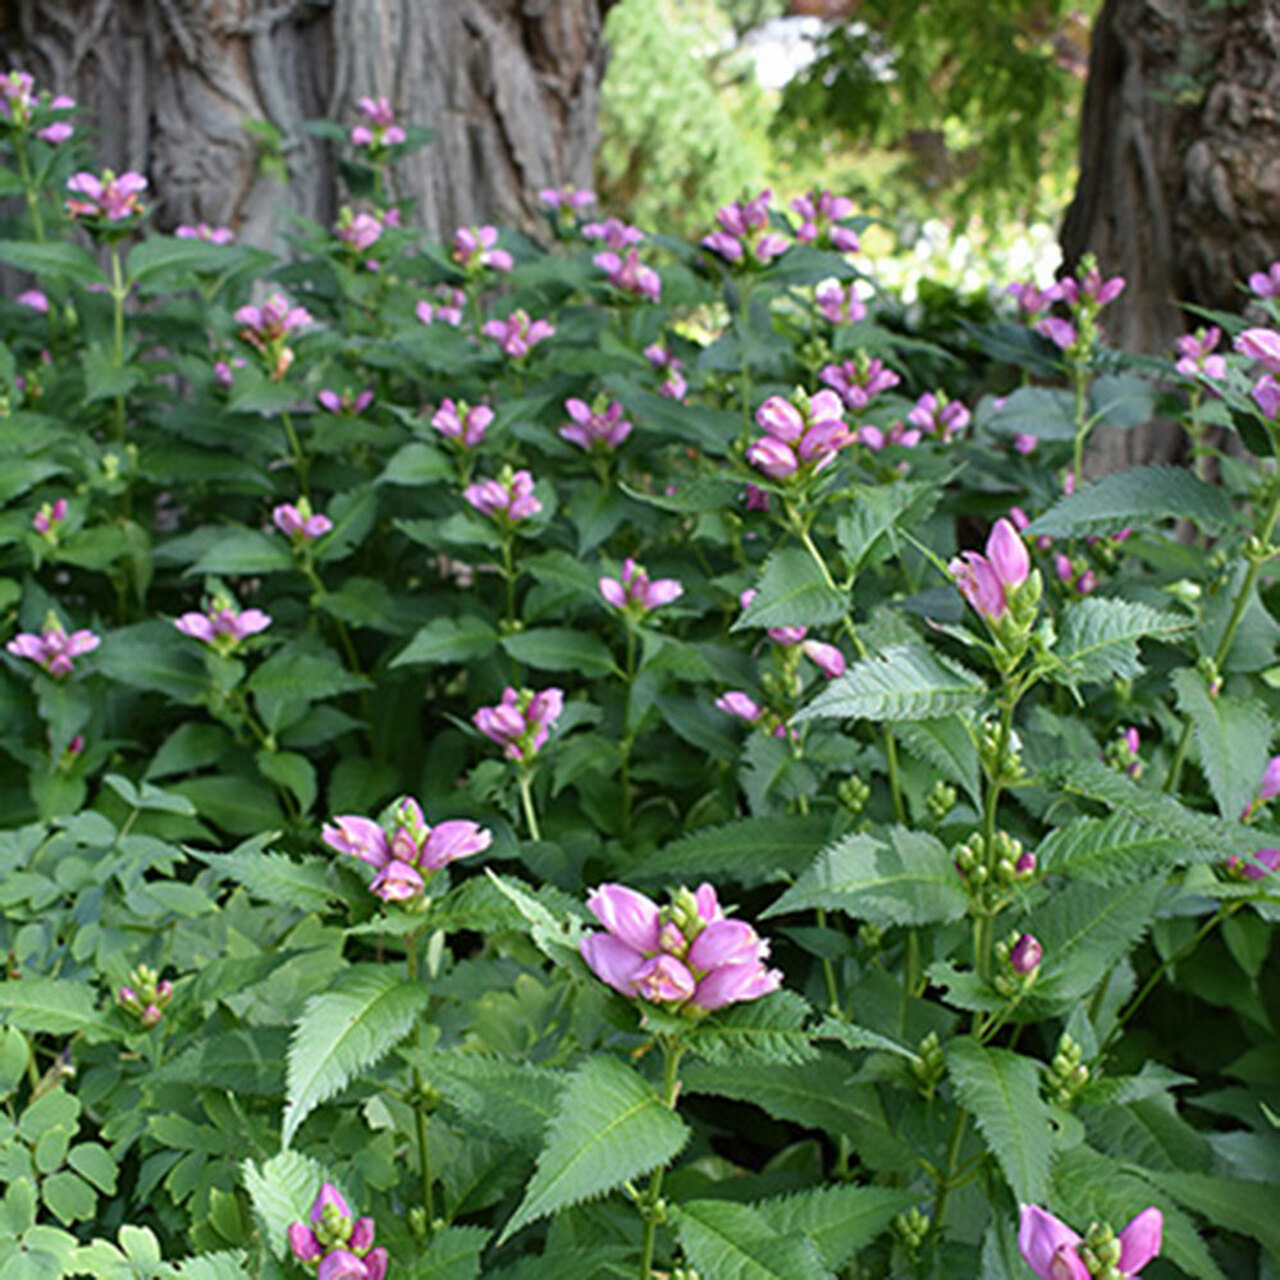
(1232, 1203)
(345, 1031)
(159, 255)
(866, 531)
(282, 1191)
(839, 1220)
(449, 640)
(1002, 1090)
(1232, 737)
(103, 378)
(69, 1197)
(57, 1006)
(53, 257)
(906, 878)
(291, 771)
(1118, 849)
(746, 851)
(1044, 412)
(947, 746)
(611, 1126)
(240, 550)
(767, 1030)
(1138, 497)
(1122, 400)
(1099, 638)
(275, 877)
(855, 1037)
(93, 1161)
(153, 656)
(514, 1099)
(735, 1242)
(453, 1254)
(902, 682)
(416, 463)
(303, 671)
(558, 649)
(792, 592)
(238, 804)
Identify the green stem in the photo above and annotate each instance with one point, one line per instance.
(946, 1183)
(118, 294)
(829, 971)
(1080, 379)
(33, 198)
(744, 323)
(625, 745)
(984, 924)
(419, 1102)
(301, 464)
(1233, 625)
(509, 574)
(526, 805)
(649, 1202)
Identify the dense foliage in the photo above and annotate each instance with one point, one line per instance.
(506, 772)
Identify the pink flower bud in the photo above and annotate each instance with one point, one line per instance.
(1008, 554)
(302, 1240)
(629, 916)
(1026, 954)
(1140, 1241)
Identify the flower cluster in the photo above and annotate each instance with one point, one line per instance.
(109, 199)
(446, 309)
(602, 427)
(616, 234)
(1263, 345)
(334, 1245)
(517, 335)
(839, 303)
(1055, 1252)
(19, 105)
(988, 581)
(222, 626)
(567, 197)
(347, 403)
(359, 232)
(46, 521)
(1266, 284)
(507, 500)
(935, 415)
(1121, 753)
(826, 657)
(821, 213)
(381, 131)
(145, 995)
(1194, 358)
(53, 649)
(742, 236)
(475, 248)
(299, 523)
(858, 382)
(402, 848)
(267, 328)
(1268, 789)
(629, 275)
(687, 956)
(635, 593)
(463, 424)
(675, 387)
(1084, 296)
(521, 721)
(203, 231)
(801, 437)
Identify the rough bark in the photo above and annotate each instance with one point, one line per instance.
(1179, 187)
(510, 88)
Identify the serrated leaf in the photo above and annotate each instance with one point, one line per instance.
(1231, 735)
(734, 1242)
(611, 1126)
(282, 1191)
(747, 851)
(453, 1254)
(557, 937)
(855, 1037)
(947, 746)
(57, 1006)
(449, 640)
(866, 530)
(1002, 1091)
(902, 682)
(839, 1220)
(53, 257)
(1233, 1203)
(1099, 639)
(906, 878)
(515, 1099)
(1140, 496)
(345, 1031)
(275, 877)
(559, 649)
(767, 1030)
(792, 592)
(1047, 413)
(1118, 850)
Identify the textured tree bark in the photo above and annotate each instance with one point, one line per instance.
(510, 87)
(1179, 186)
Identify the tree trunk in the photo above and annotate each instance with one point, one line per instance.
(1179, 187)
(509, 87)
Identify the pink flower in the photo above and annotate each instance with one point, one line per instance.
(630, 275)
(1051, 1248)
(1266, 394)
(462, 423)
(34, 299)
(53, 649)
(508, 500)
(659, 357)
(475, 248)
(358, 231)
(741, 705)
(936, 415)
(203, 231)
(819, 212)
(828, 659)
(1270, 787)
(447, 309)
(838, 304)
(1193, 354)
(110, 197)
(635, 592)
(686, 954)
(1025, 444)
(517, 335)
(858, 382)
(567, 197)
(799, 438)
(1260, 865)
(742, 234)
(347, 404)
(986, 580)
(1062, 333)
(1026, 954)
(51, 514)
(222, 626)
(521, 721)
(615, 233)
(1262, 345)
(605, 429)
(267, 327)
(381, 131)
(1266, 284)
(1031, 300)
(298, 523)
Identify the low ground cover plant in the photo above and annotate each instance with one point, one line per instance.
(607, 756)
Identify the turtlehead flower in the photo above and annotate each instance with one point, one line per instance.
(403, 849)
(1257, 867)
(203, 231)
(614, 232)
(635, 593)
(630, 275)
(222, 627)
(1262, 345)
(985, 581)
(1025, 955)
(381, 131)
(1266, 395)
(266, 329)
(447, 309)
(741, 706)
(567, 197)
(299, 523)
(675, 387)
(801, 437)
(1024, 444)
(508, 500)
(463, 424)
(17, 96)
(1194, 358)
(521, 721)
(1032, 301)
(145, 995)
(1089, 289)
(348, 403)
(224, 371)
(876, 440)
(602, 428)
(33, 299)
(358, 231)
(1062, 333)
(858, 382)
(517, 335)
(688, 955)
(935, 415)
(820, 214)
(46, 521)
(1266, 284)
(336, 1247)
(106, 199)
(1055, 1252)
(475, 248)
(742, 237)
(53, 649)
(839, 304)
